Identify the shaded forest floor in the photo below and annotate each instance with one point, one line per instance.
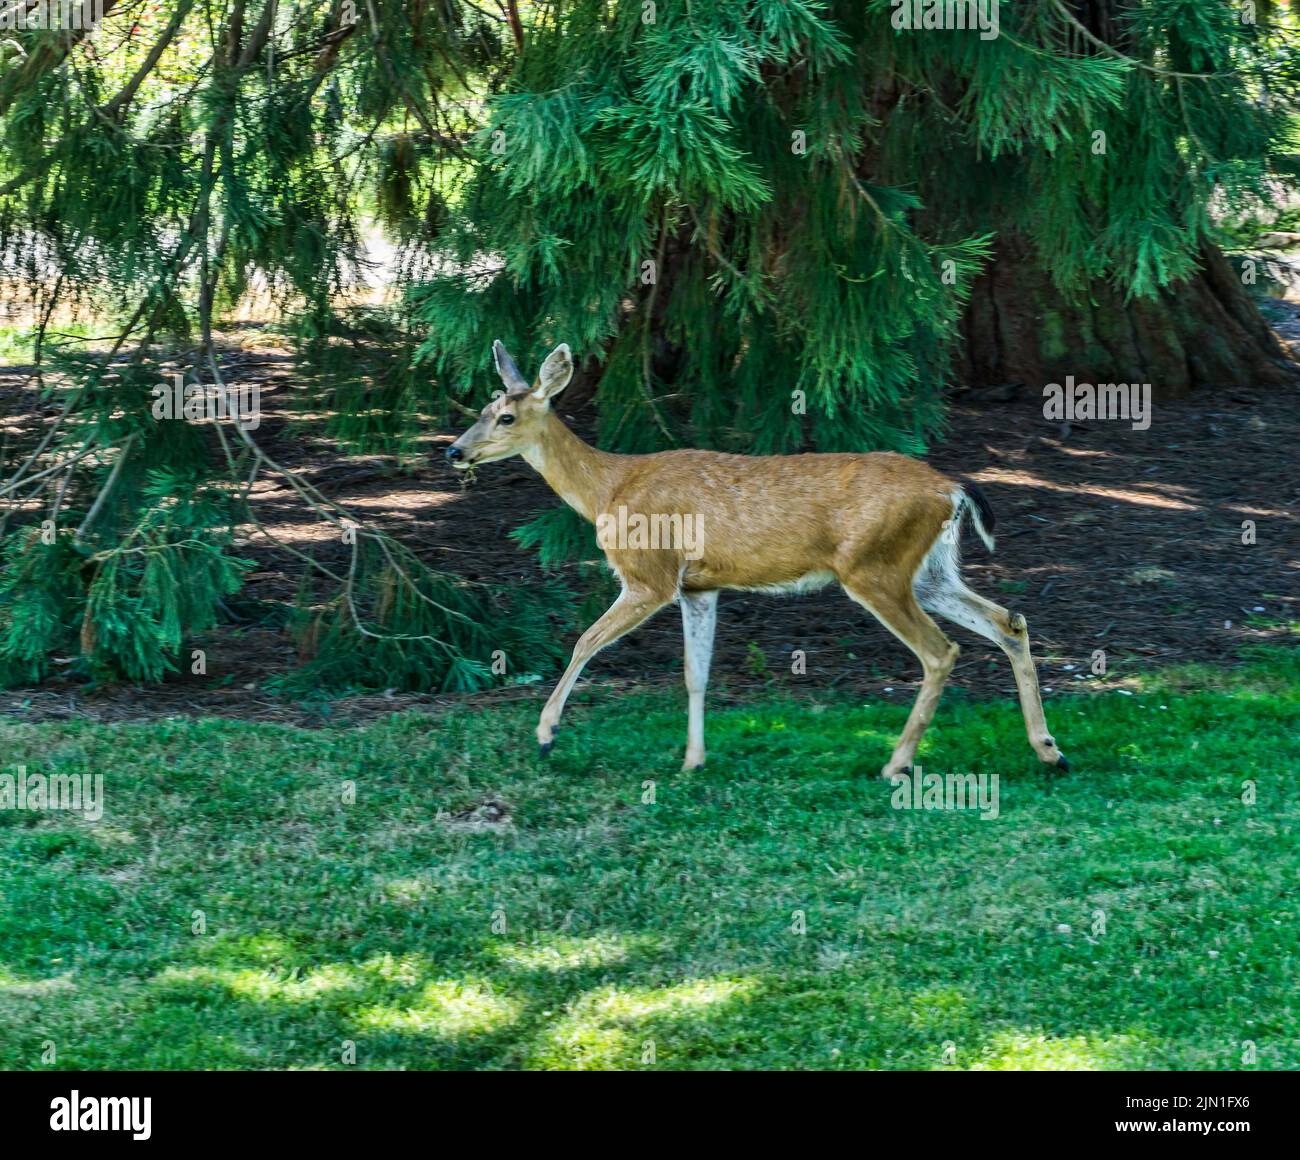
(1109, 538)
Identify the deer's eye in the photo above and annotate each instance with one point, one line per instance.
(506, 419)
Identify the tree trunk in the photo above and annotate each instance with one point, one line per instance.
(1205, 333)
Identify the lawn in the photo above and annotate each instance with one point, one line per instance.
(426, 892)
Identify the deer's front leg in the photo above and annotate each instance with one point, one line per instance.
(632, 607)
(699, 619)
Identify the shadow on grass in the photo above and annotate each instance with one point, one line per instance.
(566, 1003)
(771, 910)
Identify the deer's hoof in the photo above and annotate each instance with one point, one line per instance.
(894, 774)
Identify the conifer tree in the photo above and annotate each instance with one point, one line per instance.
(763, 225)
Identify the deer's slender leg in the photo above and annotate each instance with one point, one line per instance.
(900, 613)
(699, 619)
(1010, 633)
(632, 607)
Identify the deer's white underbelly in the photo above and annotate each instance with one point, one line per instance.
(808, 582)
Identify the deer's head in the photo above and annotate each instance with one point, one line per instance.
(512, 422)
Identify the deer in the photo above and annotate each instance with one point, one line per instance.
(884, 526)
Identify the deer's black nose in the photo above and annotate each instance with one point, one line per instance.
(454, 453)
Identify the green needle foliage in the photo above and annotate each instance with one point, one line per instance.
(759, 223)
(151, 173)
(397, 625)
(762, 221)
(677, 190)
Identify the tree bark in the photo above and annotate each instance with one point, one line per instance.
(1204, 333)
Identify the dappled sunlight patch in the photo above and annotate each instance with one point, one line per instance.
(15, 986)
(1245, 682)
(604, 1028)
(261, 986)
(399, 504)
(556, 954)
(405, 891)
(107, 834)
(270, 980)
(938, 1008)
(403, 969)
(875, 736)
(86, 832)
(579, 1046)
(1128, 682)
(1277, 624)
(1020, 1051)
(236, 950)
(448, 1009)
(1148, 497)
(305, 532)
(1253, 509)
(1078, 452)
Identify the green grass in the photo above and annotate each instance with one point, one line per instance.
(931, 938)
(18, 343)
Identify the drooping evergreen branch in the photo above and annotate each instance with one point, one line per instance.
(818, 192)
(126, 93)
(274, 108)
(48, 53)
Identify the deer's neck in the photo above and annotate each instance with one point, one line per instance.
(578, 473)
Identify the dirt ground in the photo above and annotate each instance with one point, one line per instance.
(1108, 538)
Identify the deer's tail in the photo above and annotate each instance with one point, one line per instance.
(973, 500)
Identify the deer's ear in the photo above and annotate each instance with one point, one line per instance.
(555, 374)
(506, 368)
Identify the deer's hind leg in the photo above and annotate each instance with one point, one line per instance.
(899, 612)
(943, 591)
